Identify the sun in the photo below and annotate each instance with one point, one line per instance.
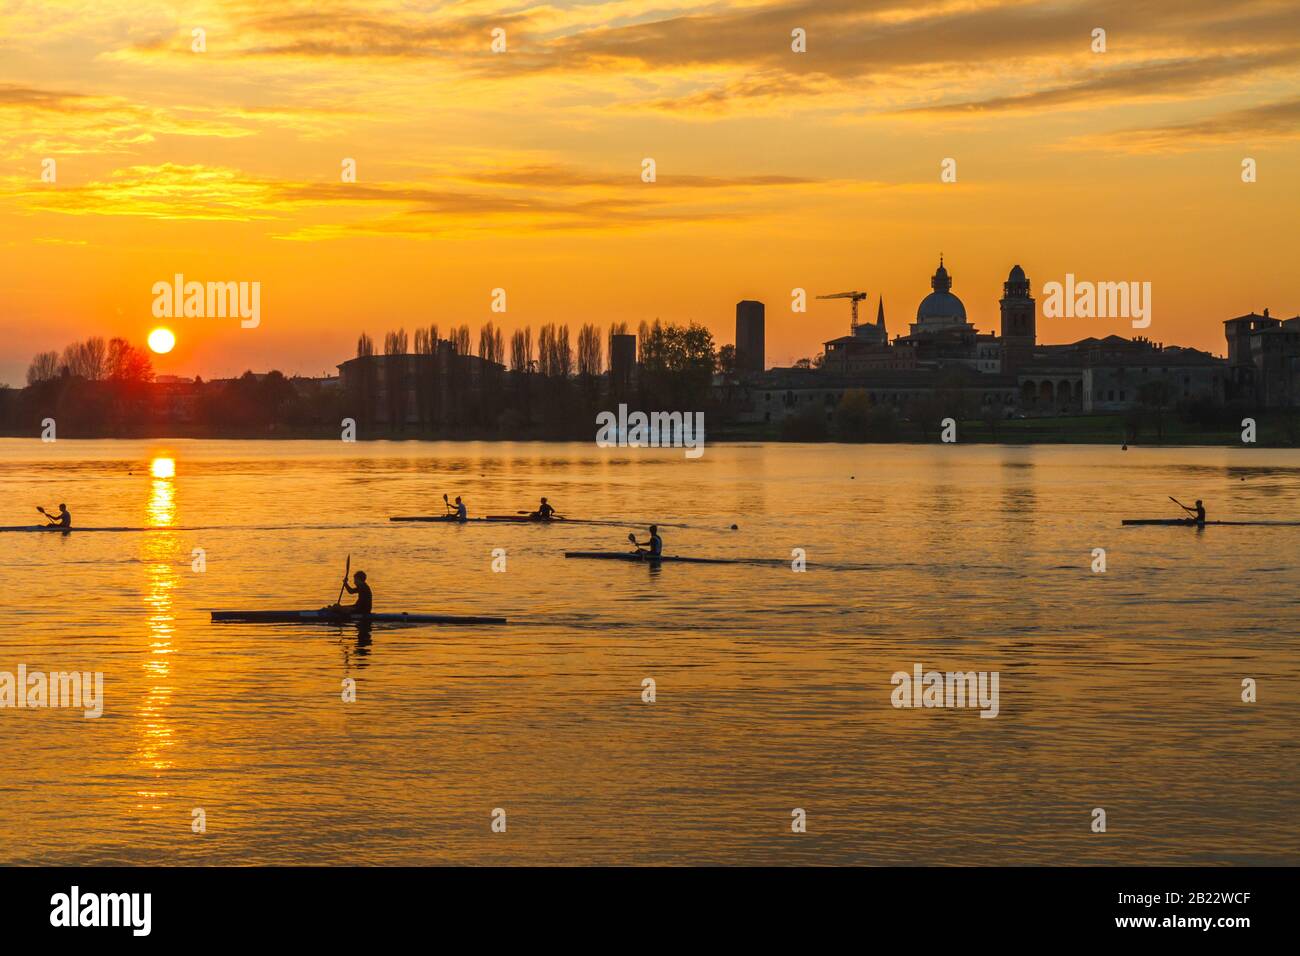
(162, 341)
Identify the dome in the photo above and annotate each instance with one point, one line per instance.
(940, 309)
(940, 305)
(1017, 274)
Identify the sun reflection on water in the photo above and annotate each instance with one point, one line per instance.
(154, 729)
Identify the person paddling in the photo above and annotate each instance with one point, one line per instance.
(457, 513)
(62, 520)
(544, 512)
(1198, 512)
(361, 590)
(653, 547)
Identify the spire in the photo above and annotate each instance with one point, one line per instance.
(941, 282)
(880, 315)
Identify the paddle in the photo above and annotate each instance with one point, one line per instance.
(346, 570)
(631, 537)
(445, 503)
(1180, 504)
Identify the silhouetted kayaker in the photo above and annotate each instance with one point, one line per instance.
(654, 547)
(62, 520)
(362, 591)
(462, 513)
(543, 512)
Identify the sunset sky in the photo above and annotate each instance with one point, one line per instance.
(522, 169)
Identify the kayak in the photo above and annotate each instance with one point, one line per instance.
(328, 617)
(517, 519)
(41, 527)
(642, 556)
(528, 519)
(1190, 522)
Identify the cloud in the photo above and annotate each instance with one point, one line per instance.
(1166, 80)
(525, 197)
(1248, 126)
(33, 98)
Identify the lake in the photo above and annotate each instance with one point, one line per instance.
(1119, 690)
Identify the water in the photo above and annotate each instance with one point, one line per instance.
(1118, 690)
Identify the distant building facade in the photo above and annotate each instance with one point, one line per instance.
(944, 357)
(750, 337)
(1264, 359)
(622, 362)
(419, 391)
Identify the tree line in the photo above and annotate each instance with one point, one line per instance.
(548, 384)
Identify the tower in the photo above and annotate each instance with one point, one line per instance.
(1019, 321)
(622, 362)
(750, 345)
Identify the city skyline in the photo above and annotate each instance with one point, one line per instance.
(522, 170)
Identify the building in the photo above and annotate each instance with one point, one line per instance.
(1019, 321)
(783, 393)
(622, 363)
(944, 357)
(940, 311)
(1264, 359)
(750, 337)
(418, 391)
(1114, 374)
(866, 347)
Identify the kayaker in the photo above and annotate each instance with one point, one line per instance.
(1199, 511)
(462, 513)
(62, 520)
(543, 512)
(362, 591)
(654, 547)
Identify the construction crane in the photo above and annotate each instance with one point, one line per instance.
(855, 296)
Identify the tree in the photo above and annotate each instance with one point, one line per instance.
(521, 350)
(395, 343)
(87, 359)
(590, 357)
(678, 365)
(1155, 398)
(727, 360)
(807, 424)
(491, 347)
(853, 415)
(126, 363)
(44, 368)
(460, 340)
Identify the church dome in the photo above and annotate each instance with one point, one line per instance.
(940, 306)
(1017, 274)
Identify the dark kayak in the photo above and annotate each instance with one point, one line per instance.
(1191, 522)
(329, 617)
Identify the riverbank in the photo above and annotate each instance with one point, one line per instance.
(1273, 430)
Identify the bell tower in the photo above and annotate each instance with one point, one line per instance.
(1019, 321)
